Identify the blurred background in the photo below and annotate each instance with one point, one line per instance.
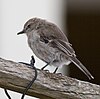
(78, 19)
(83, 26)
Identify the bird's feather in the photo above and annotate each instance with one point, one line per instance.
(68, 50)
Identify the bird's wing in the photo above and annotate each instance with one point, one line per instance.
(68, 50)
(57, 39)
(65, 46)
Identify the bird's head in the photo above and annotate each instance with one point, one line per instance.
(31, 25)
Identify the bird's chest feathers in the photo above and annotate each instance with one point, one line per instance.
(33, 40)
(40, 49)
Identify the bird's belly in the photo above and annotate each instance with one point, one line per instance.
(43, 52)
(50, 55)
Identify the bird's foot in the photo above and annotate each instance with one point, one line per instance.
(59, 74)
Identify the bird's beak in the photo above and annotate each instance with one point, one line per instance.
(21, 32)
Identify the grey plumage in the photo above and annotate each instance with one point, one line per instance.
(50, 44)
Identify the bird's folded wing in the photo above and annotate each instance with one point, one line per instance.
(65, 47)
(68, 50)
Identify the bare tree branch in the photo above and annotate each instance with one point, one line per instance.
(15, 76)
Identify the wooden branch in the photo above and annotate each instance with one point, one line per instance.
(15, 76)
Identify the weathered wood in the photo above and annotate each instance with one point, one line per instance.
(15, 76)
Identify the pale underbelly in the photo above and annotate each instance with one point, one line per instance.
(50, 55)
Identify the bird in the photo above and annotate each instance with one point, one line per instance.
(51, 45)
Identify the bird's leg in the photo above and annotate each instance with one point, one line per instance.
(55, 70)
(45, 66)
(60, 74)
(7, 94)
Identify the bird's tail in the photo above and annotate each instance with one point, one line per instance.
(81, 67)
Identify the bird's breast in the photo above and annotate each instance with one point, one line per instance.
(47, 53)
(41, 50)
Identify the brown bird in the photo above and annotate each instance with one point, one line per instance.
(51, 45)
